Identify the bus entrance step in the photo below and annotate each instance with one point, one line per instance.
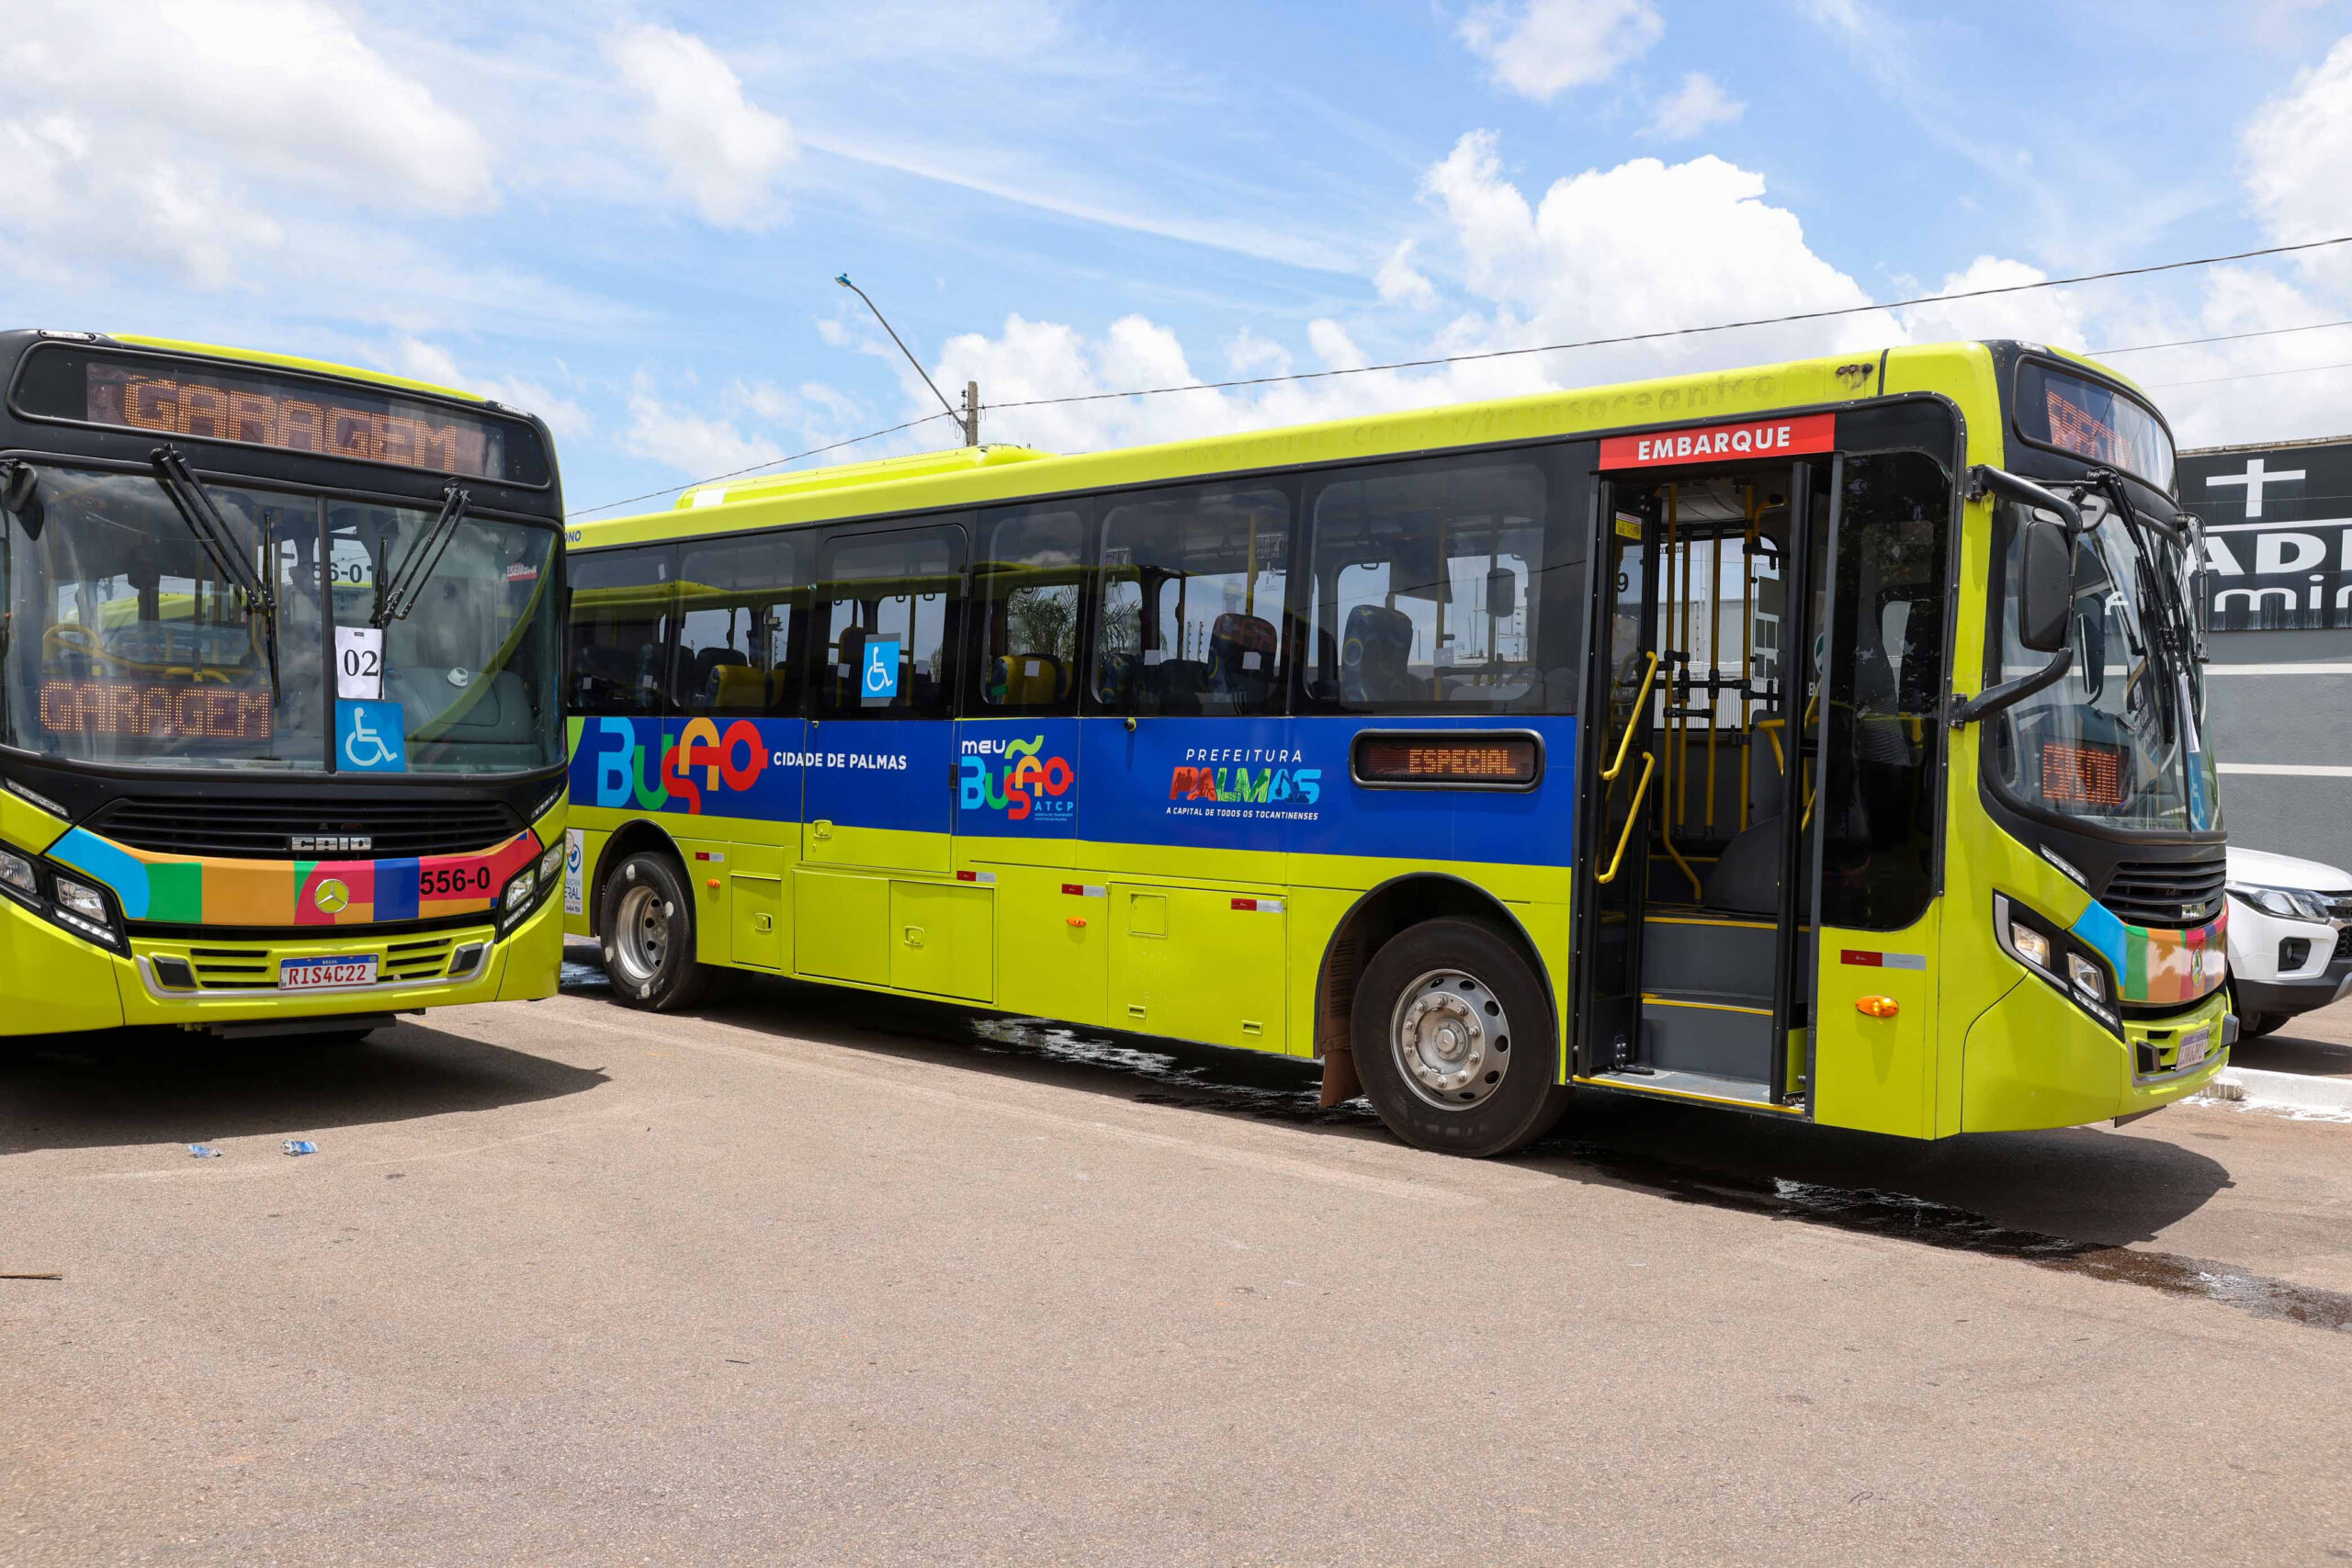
(1690, 1086)
(1725, 1039)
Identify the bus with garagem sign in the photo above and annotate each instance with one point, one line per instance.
(1822, 740)
(281, 736)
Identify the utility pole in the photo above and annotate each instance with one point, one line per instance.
(968, 418)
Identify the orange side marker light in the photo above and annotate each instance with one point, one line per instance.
(1877, 1007)
(1075, 920)
(714, 883)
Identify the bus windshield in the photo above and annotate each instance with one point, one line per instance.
(127, 643)
(2121, 739)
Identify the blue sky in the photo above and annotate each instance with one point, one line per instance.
(627, 218)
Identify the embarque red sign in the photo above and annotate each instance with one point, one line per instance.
(1787, 437)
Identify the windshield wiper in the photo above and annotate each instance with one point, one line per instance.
(396, 596)
(2183, 681)
(212, 530)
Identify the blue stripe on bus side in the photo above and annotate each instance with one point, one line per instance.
(1269, 784)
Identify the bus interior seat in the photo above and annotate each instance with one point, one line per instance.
(1241, 658)
(740, 686)
(1180, 685)
(1376, 658)
(1029, 679)
(700, 688)
(1114, 677)
(1746, 878)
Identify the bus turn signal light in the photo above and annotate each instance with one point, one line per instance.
(1877, 1007)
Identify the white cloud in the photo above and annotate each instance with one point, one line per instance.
(1644, 246)
(722, 150)
(1399, 284)
(1696, 107)
(69, 198)
(283, 89)
(2053, 316)
(696, 446)
(2297, 149)
(425, 361)
(1540, 48)
(1641, 246)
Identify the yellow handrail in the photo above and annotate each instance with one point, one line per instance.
(1632, 819)
(1632, 722)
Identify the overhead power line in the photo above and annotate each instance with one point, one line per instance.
(2225, 337)
(771, 463)
(1652, 336)
(2252, 376)
(1689, 332)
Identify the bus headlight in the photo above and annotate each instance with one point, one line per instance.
(86, 902)
(18, 873)
(2086, 976)
(550, 863)
(2048, 949)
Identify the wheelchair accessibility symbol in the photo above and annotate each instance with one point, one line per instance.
(879, 682)
(370, 737)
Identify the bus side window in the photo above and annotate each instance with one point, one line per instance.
(1443, 586)
(888, 608)
(1027, 586)
(1190, 603)
(622, 605)
(743, 610)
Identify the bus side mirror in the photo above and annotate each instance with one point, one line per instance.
(2045, 585)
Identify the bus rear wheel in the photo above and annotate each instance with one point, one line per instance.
(648, 936)
(1454, 1039)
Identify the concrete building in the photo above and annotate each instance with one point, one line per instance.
(2277, 606)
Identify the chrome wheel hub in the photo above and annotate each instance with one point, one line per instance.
(640, 933)
(1451, 1039)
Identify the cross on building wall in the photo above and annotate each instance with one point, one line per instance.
(2254, 478)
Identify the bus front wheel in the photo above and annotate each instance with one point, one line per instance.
(649, 935)
(1454, 1039)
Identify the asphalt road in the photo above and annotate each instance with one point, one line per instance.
(814, 1278)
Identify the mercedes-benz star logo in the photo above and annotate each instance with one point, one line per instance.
(332, 897)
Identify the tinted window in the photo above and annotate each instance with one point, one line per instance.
(621, 606)
(1192, 602)
(1444, 586)
(886, 624)
(1885, 744)
(742, 609)
(1026, 589)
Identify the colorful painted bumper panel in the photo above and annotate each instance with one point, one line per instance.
(176, 891)
(2159, 967)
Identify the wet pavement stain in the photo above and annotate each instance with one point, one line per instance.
(1869, 1211)
(1285, 1096)
(1283, 1089)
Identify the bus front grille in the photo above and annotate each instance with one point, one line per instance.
(246, 829)
(2167, 895)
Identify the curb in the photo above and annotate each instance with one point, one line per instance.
(2283, 1092)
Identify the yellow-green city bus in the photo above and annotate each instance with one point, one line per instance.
(281, 725)
(1821, 739)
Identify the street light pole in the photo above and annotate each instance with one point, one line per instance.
(968, 420)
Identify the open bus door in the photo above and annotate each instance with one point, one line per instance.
(1697, 870)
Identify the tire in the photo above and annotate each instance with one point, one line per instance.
(1487, 1095)
(647, 921)
(2260, 1023)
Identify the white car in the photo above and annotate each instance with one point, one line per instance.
(2290, 937)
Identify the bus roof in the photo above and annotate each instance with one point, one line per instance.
(844, 476)
(294, 362)
(986, 475)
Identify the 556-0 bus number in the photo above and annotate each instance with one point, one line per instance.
(453, 881)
